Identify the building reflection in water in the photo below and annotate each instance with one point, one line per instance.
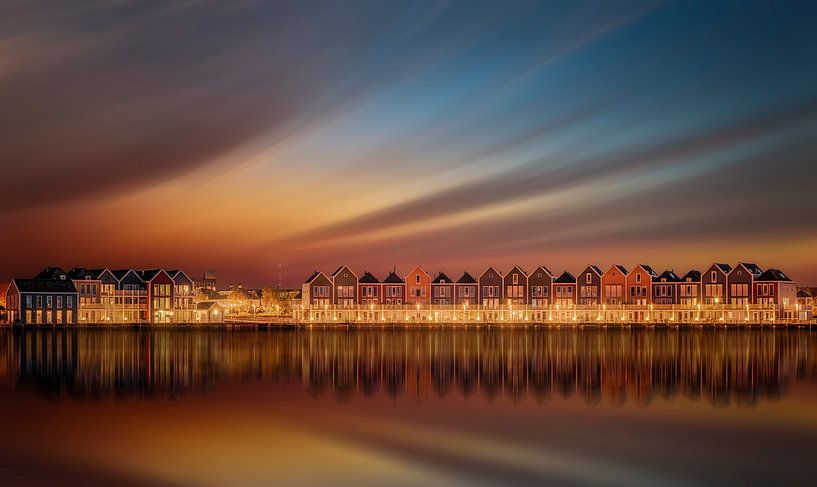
(724, 368)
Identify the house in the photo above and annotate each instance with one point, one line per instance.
(418, 284)
(4, 287)
(52, 273)
(774, 287)
(639, 285)
(160, 290)
(516, 287)
(317, 290)
(614, 284)
(394, 290)
(665, 288)
(589, 286)
(713, 283)
(442, 290)
(209, 312)
(741, 284)
(490, 288)
(369, 289)
(466, 290)
(540, 284)
(207, 281)
(689, 288)
(89, 288)
(184, 297)
(344, 291)
(131, 301)
(564, 290)
(42, 301)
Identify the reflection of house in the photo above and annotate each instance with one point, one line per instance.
(42, 301)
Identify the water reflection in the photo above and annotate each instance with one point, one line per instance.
(724, 368)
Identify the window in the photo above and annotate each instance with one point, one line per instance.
(588, 278)
(516, 278)
(417, 278)
(713, 276)
(48, 301)
(39, 301)
(637, 277)
(28, 301)
(59, 301)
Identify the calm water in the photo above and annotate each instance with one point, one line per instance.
(408, 407)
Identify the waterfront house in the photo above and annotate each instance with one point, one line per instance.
(317, 290)
(130, 302)
(540, 283)
(588, 284)
(516, 287)
(418, 284)
(689, 289)
(713, 283)
(442, 290)
(209, 312)
(639, 285)
(42, 301)
(394, 290)
(344, 283)
(564, 290)
(774, 287)
(614, 284)
(207, 281)
(741, 281)
(159, 294)
(369, 289)
(466, 290)
(52, 272)
(89, 290)
(665, 288)
(490, 288)
(184, 296)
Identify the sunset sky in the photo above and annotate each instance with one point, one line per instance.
(237, 138)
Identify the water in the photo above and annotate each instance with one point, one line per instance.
(408, 407)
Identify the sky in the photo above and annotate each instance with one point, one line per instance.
(264, 140)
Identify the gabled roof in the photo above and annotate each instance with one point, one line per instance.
(648, 270)
(120, 273)
(62, 286)
(81, 273)
(773, 275)
(725, 268)
(312, 277)
(393, 278)
(149, 274)
(368, 278)
(206, 305)
(466, 279)
(339, 269)
(622, 269)
(595, 269)
(804, 293)
(544, 269)
(421, 270)
(668, 276)
(490, 268)
(692, 275)
(174, 273)
(517, 268)
(752, 268)
(51, 273)
(442, 279)
(566, 278)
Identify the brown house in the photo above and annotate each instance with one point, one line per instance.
(614, 285)
(741, 282)
(713, 283)
(317, 290)
(540, 286)
(639, 285)
(394, 290)
(689, 289)
(589, 285)
(564, 290)
(776, 288)
(344, 287)
(466, 290)
(516, 287)
(490, 288)
(369, 289)
(418, 284)
(665, 288)
(442, 290)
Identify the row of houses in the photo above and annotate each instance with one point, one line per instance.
(93, 296)
(737, 286)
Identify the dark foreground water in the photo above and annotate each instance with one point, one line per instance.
(408, 407)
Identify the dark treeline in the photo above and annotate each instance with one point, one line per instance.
(737, 367)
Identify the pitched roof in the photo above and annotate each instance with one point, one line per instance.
(442, 279)
(566, 278)
(120, 273)
(466, 279)
(337, 271)
(393, 278)
(692, 275)
(50, 273)
(753, 268)
(312, 277)
(648, 270)
(206, 305)
(45, 285)
(621, 269)
(804, 293)
(725, 268)
(490, 268)
(544, 269)
(148, 274)
(668, 276)
(368, 278)
(516, 267)
(595, 269)
(773, 275)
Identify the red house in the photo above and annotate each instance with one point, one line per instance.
(713, 283)
(639, 285)
(516, 287)
(614, 285)
(418, 284)
(741, 283)
(540, 283)
(490, 288)
(160, 287)
(369, 289)
(589, 286)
